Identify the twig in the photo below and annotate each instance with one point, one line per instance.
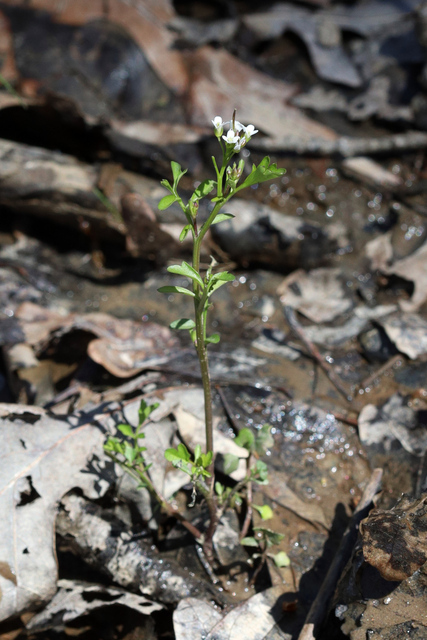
(365, 383)
(314, 352)
(319, 607)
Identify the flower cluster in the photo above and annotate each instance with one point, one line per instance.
(237, 136)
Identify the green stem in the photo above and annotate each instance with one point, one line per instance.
(164, 504)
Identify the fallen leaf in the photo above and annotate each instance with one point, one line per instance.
(395, 541)
(408, 331)
(320, 294)
(256, 616)
(35, 448)
(75, 599)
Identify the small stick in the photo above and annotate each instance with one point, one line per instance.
(365, 383)
(314, 352)
(319, 607)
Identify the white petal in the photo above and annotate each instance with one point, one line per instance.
(217, 122)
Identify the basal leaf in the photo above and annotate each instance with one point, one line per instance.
(281, 559)
(249, 541)
(245, 439)
(265, 511)
(231, 462)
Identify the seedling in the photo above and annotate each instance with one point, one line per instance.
(229, 180)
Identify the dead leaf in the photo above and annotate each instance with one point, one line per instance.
(255, 618)
(221, 83)
(395, 541)
(123, 347)
(75, 599)
(146, 21)
(35, 449)
(320, 294)
(277, 490)
(408, 331)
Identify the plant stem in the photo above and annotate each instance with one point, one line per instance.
(164, 504)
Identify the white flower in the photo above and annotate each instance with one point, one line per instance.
(250, 131)
(231, 137)
(238, 126)
(217, 122)
(239, 143)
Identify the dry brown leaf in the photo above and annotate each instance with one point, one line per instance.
(395, 541)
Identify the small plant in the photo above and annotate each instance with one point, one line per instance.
(228, 181)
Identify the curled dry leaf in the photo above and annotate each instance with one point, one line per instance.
(35, 448)
(395, 541)
(123, 347)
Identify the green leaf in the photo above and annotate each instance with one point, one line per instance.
(260, 472)
(186, 270)
(183, 323)
(130, 453)
(184, 232)
(166, 202)
(143, 412)
(204, 189)
(221, 217)
(213, 339)
(177, 173)
(265, 511)
(197, 452)
(180, 453)
(245, 439)
(206, 459)
(166, 183)
(171, 289)
(281, 559)
(231, 462)
(263, 172)
(249, 542)
(213, 286)
(126, 429)
(272, 536)
(264, 440)
(219, 488)
(223, 275)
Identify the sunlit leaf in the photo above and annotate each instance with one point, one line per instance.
(166, 202)
(213, 339)
(265, 511)
(263, 172)
(249, 541)
(177, 173)
(172, 289)
(126, 429)
(281, 559)
(186, 270)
